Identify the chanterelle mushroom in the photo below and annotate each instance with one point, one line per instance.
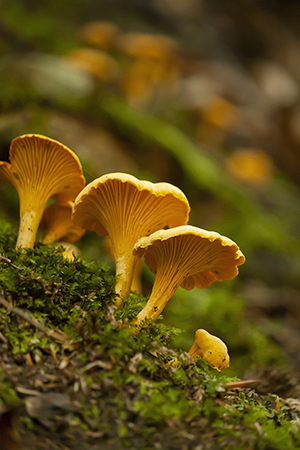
(208, 347)
(40, 168)
(57, 224)
(185, 256)
(211, 348)
(125, 208)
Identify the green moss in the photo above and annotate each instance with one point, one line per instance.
(121, 383)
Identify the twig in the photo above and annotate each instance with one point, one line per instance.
(57, 335)
(24, 315)
(8, 261)
(3, 338)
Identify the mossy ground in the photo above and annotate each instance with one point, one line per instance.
(94, 385)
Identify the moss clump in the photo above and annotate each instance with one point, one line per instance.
(104, 387)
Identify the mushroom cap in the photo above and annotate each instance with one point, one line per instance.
(202, 256)
(143, 45)
(101, 34)
(120, 204)
(70, 251)
(42, 167)
(211, 348)
(96, 62)
(57, 224)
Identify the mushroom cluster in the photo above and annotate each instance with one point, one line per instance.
(141, 219)
(39, 169)
(126, 209)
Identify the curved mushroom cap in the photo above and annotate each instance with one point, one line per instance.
(198, 257)
(139, 45)
(210, 348)
(96, 62)
(119, 204)
(101, 34)
(40, 168)
(125, 208)
(70, 251)
(57, 224)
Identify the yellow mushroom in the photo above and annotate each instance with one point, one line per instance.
(96, 62)
(70, 250)
(101, 34)
(40, 168)
(185, 256)
(211, 348)
(125, 208)
(251, 166)
(57, 224)
(208, 347)
(152, 66)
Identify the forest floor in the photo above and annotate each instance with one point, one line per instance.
(72, 378)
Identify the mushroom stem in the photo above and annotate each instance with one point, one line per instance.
(29, 223)
(159, 298)
(125, 266)
(194, 350)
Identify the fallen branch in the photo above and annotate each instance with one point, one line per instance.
(57, 335)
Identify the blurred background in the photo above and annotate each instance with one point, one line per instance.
(203, 94)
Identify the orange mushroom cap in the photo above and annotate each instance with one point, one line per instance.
(70, 250)
(96, 62)
(211, 348)
(143, 45)
(125, 208)
(101, 34)
(185, 256)
(57, 224)
(40, 168)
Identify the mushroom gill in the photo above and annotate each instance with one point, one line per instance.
(40, 168)
(57, 225)
(185, 256)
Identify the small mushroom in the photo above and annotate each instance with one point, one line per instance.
(101, 34)
(40, 168)
(57, 224)
(210, 348)
(95, 62)
(185, 256)
(152, 66)
(125, 208)
(70, 250)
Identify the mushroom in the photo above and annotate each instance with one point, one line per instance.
(208, 347)
(185, 256)
(96, 62)
(125, 208)
(152, 66)
(40, 168)
(57, 224)
(69, 250)
(211, 348)
(101, 34)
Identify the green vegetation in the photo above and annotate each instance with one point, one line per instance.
(121, 389)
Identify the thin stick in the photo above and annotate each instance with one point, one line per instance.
(57, 335)
(24, 315)
(8, 261)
